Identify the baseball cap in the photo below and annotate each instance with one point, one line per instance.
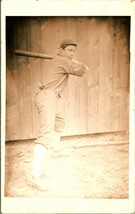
(67, 42)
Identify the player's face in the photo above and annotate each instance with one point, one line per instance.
(69, 51)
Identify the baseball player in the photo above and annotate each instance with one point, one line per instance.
(48, 99)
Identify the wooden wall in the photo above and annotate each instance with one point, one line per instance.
(98, 102)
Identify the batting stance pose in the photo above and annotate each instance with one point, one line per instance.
(48, 99)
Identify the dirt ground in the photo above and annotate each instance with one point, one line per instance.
(97, 168)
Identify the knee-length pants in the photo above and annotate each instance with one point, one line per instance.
(51, 116)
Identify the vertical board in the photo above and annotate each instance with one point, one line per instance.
(114, 99)
(93, 77)
(12, 84)
(123, 75)
(81, 87)
(104, 75)
(25, 116)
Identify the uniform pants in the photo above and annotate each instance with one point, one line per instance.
(51, 116)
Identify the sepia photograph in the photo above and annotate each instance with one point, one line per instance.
(67, 108)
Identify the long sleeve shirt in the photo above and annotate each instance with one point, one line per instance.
(59, 70)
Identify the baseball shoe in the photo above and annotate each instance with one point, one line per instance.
(38, 183)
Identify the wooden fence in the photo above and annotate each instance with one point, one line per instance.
(98, 102)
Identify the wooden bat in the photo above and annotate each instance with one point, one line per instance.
(32, 54)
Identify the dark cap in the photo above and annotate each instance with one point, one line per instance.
(67, 42)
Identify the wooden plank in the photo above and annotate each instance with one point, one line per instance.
(101, 139)
(24, 82)
(19, 33)
(104, 83)
(12, 84)
(101, 143)
(123, 54)
(123, 74)
(113, 78)
(93, 77)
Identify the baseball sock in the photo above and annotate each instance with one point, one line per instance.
(39, 154)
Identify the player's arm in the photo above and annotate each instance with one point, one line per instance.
(77, 68)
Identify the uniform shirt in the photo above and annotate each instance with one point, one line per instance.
(58, 71)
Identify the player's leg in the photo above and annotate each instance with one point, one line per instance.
(45, 102)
